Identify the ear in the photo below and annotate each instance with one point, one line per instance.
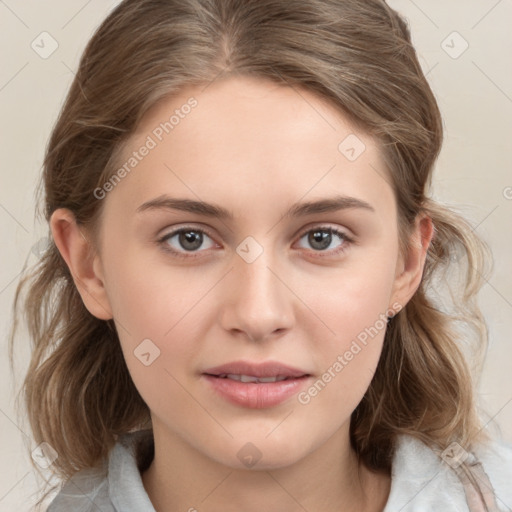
(410, 267)
(82, 261)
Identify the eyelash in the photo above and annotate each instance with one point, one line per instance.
(162, 241)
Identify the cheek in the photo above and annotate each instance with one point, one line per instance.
(156, 314)
(348, 360)
(354, 305)
(352, 299)
(148, 297)
(156, 318)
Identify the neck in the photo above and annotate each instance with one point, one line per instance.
(329, 478)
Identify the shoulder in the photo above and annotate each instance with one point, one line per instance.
(85, 491)
(496, 460)
(116, 487)
(423, 480)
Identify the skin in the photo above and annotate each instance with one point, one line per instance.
(255, 148)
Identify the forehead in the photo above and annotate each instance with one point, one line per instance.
(251, 111)
(246, 136)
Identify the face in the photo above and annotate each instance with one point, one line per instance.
(269, 280)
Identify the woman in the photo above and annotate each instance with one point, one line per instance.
(237, 310)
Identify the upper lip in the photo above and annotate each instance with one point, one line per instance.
(265, 369)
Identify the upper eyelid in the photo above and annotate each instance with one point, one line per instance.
(325, 227)
(175, 231)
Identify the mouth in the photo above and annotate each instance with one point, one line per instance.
(255, 385)
(254, 379)
(249, 371)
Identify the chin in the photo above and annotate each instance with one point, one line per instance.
(260, 455)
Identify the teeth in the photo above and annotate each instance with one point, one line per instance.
(251, 378)
(245, 378)
(271, 379)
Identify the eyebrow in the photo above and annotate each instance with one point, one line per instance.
(331, 204)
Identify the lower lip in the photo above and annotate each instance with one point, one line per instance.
(256, 395)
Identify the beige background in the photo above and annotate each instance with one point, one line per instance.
(474, 173)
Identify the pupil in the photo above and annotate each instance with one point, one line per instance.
(191, 239)
(320, 239)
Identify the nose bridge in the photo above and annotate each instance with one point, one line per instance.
(260, 303)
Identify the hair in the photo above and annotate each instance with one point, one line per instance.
(356, 55)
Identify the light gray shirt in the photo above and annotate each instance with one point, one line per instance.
(421, 481)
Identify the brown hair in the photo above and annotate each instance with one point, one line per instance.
(355, 54)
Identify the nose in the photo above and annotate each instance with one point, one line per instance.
(258, 302)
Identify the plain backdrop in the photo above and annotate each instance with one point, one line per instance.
(465, 48)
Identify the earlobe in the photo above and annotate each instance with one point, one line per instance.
(83, 263)
(410, 272)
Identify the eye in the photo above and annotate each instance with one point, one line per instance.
(322, 237)
(185, 240)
